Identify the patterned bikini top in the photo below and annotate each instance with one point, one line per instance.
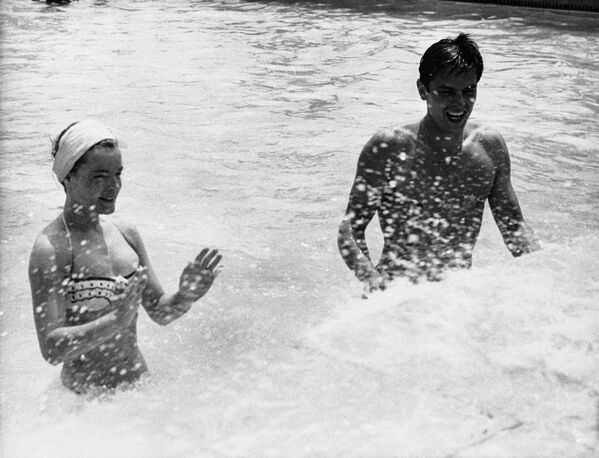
(94, 293)
(90, 296)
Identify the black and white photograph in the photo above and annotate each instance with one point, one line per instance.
(321, 229)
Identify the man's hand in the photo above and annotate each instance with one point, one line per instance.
(523, 240)
(373, 282)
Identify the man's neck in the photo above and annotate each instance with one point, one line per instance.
(444, 144)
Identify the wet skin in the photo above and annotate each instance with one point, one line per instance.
(99, 347)
(118, 358)
(428, 182)
(430, 212)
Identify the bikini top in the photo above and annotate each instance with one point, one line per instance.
(90, 296)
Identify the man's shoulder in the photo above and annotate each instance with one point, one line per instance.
(484, 134)
(491, 141)
(390, 141)
(395, 136)
(386, 147)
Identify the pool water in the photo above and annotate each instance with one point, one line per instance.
(243, 123)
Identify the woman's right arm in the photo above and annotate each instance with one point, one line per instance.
(58, 342)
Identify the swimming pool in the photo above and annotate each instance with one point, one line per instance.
(243, 122)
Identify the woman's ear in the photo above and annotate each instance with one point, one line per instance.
(66, 183)
(421, 89)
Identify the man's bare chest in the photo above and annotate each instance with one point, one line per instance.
(444, 190)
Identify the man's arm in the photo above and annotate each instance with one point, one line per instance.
(364, 201)
(517, 235)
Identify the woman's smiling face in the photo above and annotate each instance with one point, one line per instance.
(450, 99)
(95, 183)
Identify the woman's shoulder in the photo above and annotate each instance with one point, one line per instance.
(126, 228)
(120, 223)
(50, 246)
(50, 236)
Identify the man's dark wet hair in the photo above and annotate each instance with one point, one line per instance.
(455, 55)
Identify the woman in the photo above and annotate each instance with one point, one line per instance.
(89, 275)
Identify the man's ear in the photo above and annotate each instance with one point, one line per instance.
(421, 89)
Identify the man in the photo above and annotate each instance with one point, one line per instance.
(429, 181)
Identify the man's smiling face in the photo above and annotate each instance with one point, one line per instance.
(450, 99)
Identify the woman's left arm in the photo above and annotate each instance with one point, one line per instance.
(195, 281)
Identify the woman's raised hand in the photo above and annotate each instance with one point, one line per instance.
(125, 304)
(198, 276)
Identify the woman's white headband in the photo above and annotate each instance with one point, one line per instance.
(75, 142)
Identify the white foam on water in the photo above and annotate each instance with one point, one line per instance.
(480, 363)
(513, 346)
